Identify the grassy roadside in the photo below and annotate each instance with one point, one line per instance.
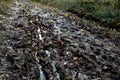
(106, 12)
(4, 5)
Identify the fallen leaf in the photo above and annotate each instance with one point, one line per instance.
(118, 23)
(17, 29)
(66, 15)
(52, 21)
(1, 15)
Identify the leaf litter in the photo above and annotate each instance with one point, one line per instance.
(44, 45)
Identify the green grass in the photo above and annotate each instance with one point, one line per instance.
(105, 12)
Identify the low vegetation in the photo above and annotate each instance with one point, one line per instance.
(106, 12)
(3, 11)
(4, 4)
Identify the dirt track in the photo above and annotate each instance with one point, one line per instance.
(45, 44)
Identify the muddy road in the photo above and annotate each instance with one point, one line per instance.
(41, 43)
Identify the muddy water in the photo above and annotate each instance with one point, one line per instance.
(43, 44)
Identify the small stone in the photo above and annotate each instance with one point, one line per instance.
(75, 58)
(98, 42)
(65, 63)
